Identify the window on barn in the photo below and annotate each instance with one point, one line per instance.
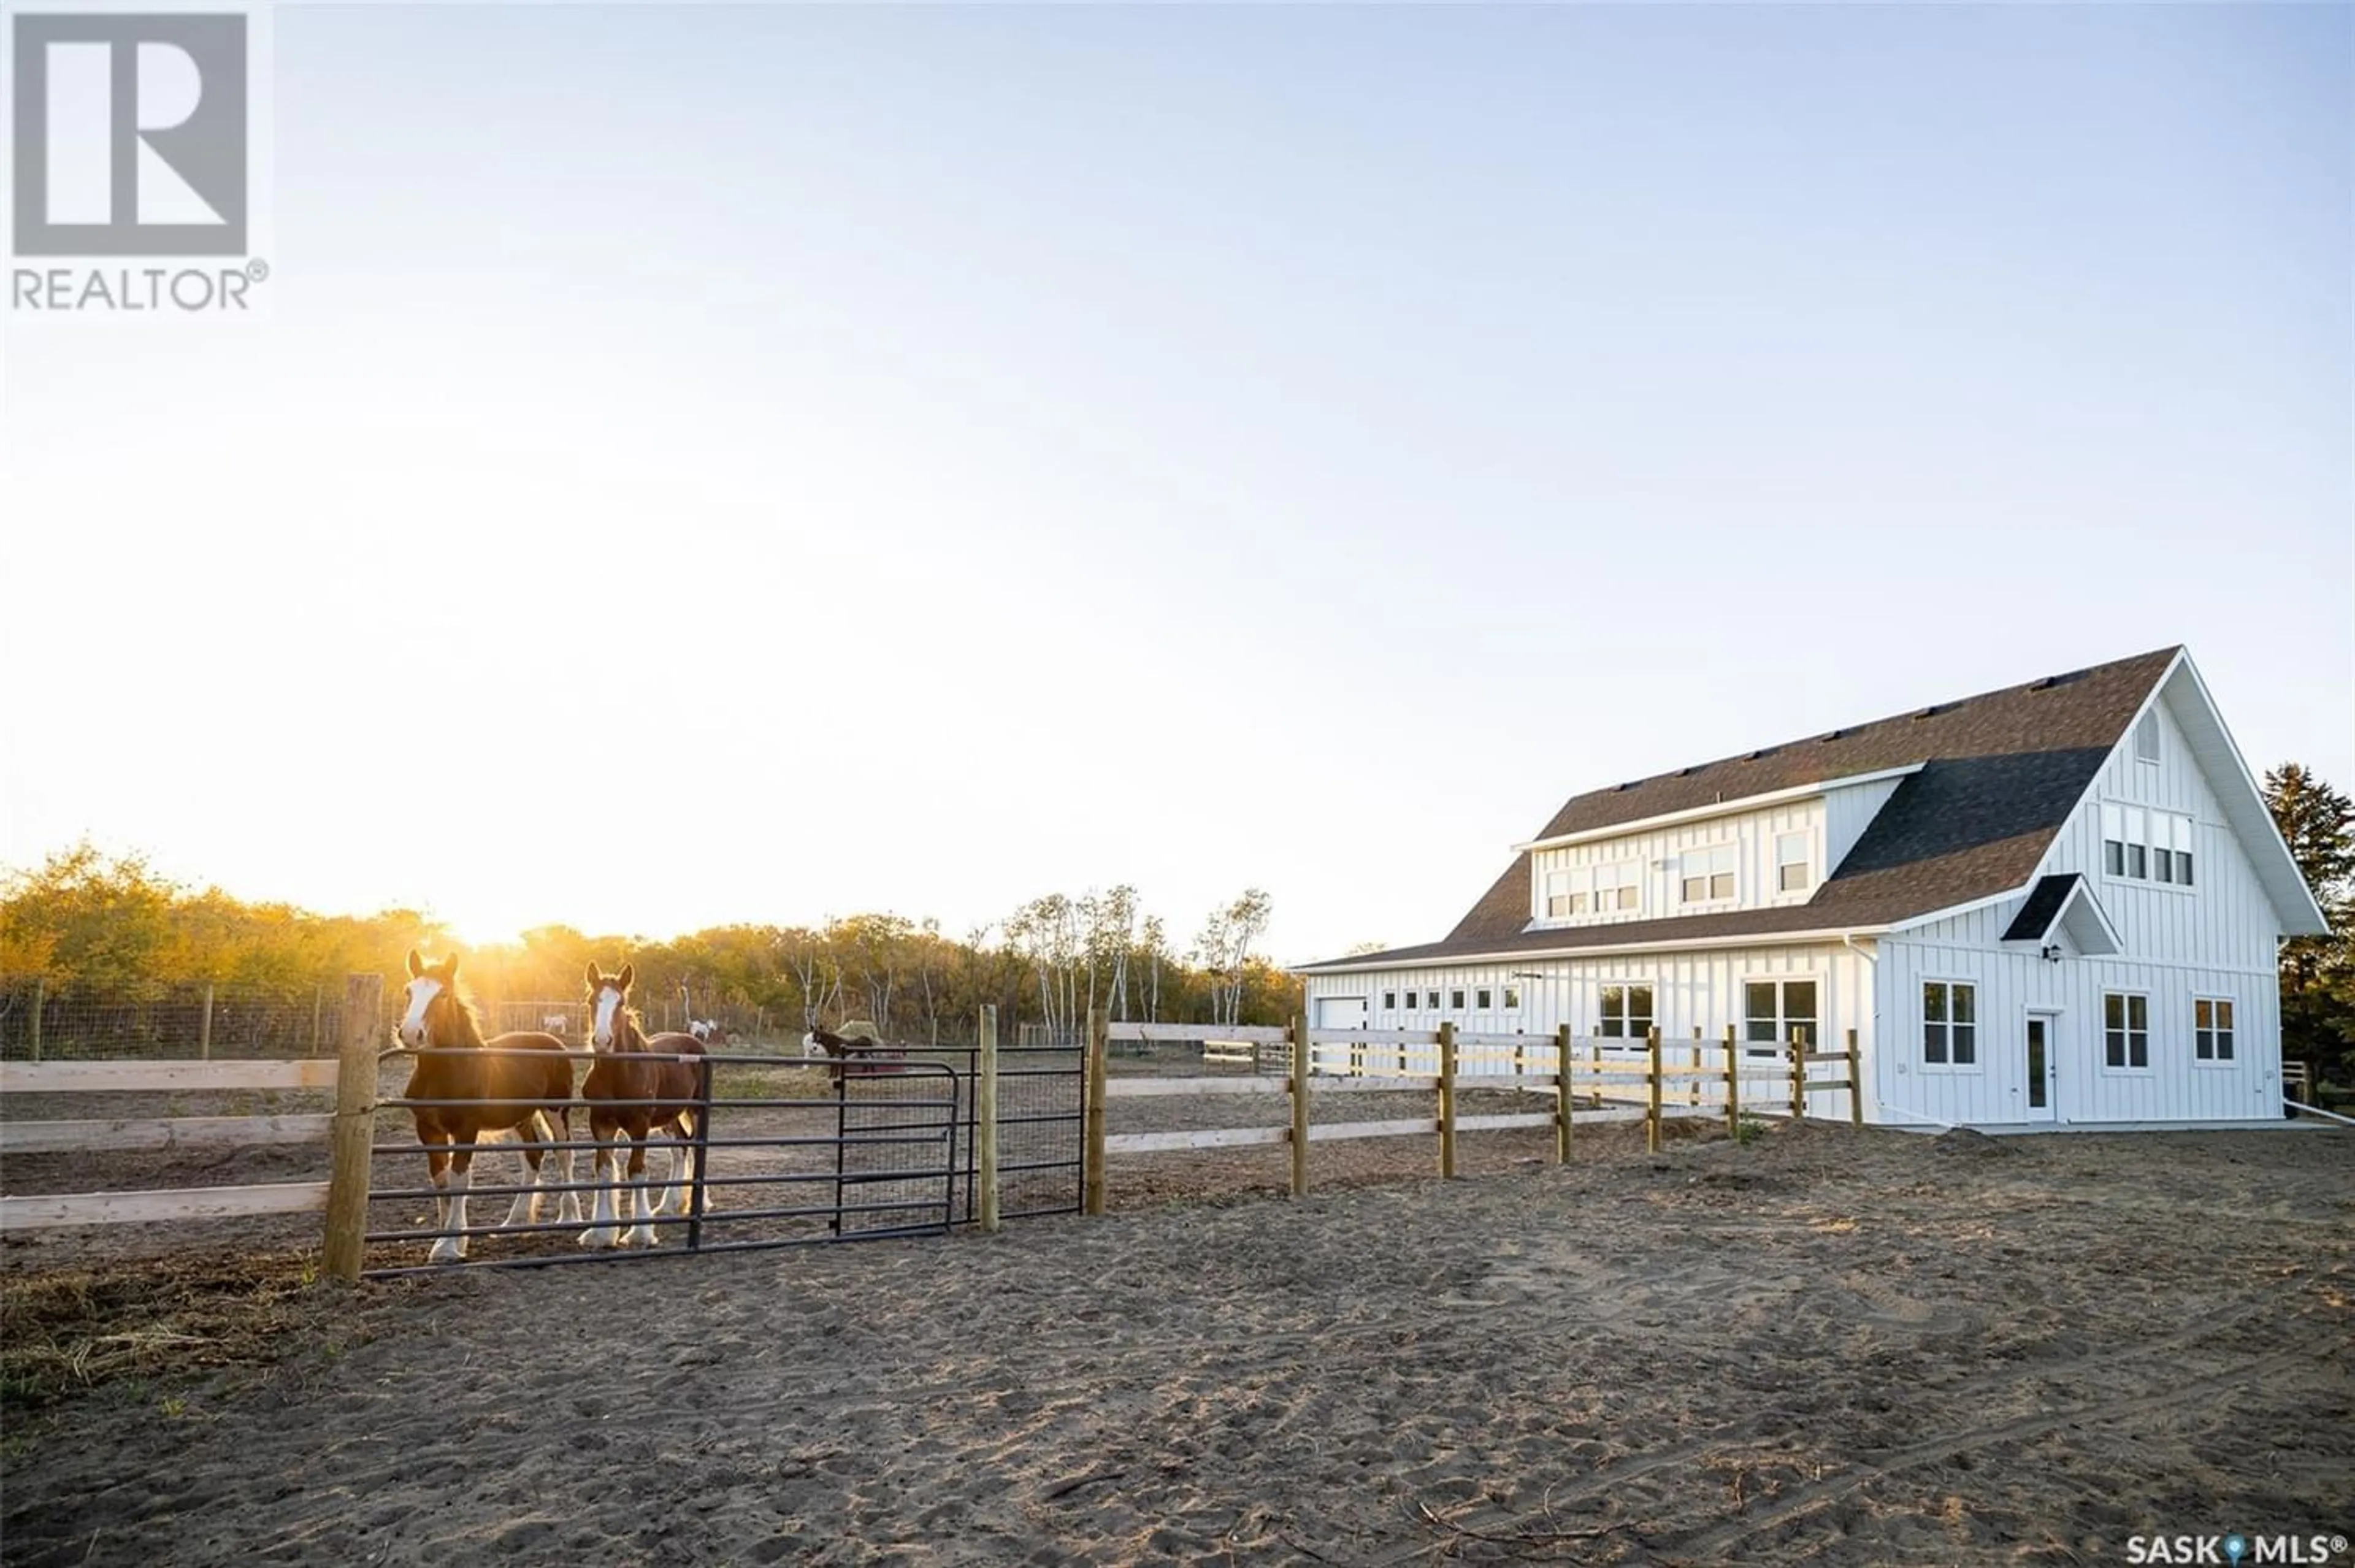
(1455, 1000)
(1707, 875)
(1772, 1009)
(1481, 1001)
(1792, 874)
(2146, 845)
(1615, 887)
(1626, 1012)
(2211, 1029)
(1562, 896)
(1410, 1001)
(2146, 738)
(2171, 854)
(2125, 1030)
(1950, 1023)
(1512, 997)
(1389, 1001)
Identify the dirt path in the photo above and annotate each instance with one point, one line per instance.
(1821, 1346)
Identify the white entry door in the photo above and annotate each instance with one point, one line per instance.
(2038, 1072)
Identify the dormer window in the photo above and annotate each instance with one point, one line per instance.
(1616, 888)
(1792, 874)
(1565, 894)
(1706, 876)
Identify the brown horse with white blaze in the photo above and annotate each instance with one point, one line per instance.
(636, 1086)
(528, 1093)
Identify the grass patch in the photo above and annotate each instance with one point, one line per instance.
(780, 1082)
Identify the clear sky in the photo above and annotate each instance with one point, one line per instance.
(765, 462)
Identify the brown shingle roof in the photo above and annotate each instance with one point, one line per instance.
(2001, 772)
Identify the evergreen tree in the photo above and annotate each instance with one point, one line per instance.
(2317, 973)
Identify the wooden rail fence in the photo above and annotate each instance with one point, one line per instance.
(1595, 1088)
(1601, 1083)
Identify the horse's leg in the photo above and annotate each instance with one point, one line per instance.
(605, 1169)
(452, 1247)
(525, 1207)
(682, 1161)
(668, 1197)
(437, 1164)
(568, 1206)
(643, 1233)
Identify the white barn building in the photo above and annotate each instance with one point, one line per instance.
(2056, 904)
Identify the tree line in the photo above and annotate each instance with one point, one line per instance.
(109, 925)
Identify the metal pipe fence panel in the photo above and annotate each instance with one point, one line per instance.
(784, 1152)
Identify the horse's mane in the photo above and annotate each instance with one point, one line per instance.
(470, 1021)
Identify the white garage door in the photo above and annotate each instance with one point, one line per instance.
(1340, 1012)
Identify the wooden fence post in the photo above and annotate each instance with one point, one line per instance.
(1855, 1085)
(204, 1027)
(1798, 1075)
(985, 1118)
(1300, 1106)
(355, 1127)
(318, 1010)
(1732, 1085)
(1092, 1172)
(1692, 1085)
(1652, 1115)
(40, 1001)
(1562, 1096)
(1446, 1099)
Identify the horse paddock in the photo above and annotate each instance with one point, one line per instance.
(1816, 1346)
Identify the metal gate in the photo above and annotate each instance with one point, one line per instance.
(1042, 1126)
(787, 1153)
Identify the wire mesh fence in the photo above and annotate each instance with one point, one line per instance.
(196, 1019)
(1041, 1126)
(186, 1020)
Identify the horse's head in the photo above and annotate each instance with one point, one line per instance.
(430, 987)
(608, 994)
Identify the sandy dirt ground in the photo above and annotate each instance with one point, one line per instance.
(1819, 1346)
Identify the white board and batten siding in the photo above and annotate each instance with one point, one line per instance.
(2213, 939)
(1692, 989)
(1657, 856)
